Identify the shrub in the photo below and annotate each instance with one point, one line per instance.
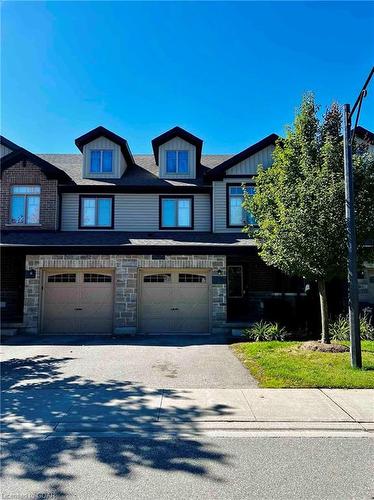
(264, 331)
(339, 329)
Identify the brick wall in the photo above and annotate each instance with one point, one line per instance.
(24, 173)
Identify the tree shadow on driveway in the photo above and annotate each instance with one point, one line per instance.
(50, 423)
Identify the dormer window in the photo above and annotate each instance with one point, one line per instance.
(101, 161)
(105, 154)
(177, 162)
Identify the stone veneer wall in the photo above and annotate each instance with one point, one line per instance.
(126, 283)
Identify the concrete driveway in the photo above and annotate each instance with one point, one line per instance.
(154, 361)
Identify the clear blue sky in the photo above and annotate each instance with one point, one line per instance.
(231, 73)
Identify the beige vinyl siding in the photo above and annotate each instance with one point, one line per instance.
(119, 163)
(4, 150)
(177, 144)
(69, 211)
(219, 205)
(135, 212)
(250, 165)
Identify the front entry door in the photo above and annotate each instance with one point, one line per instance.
(237, 303)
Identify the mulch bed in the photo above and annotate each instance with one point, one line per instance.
(320, 347)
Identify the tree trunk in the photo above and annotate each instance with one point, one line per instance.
(324, 312)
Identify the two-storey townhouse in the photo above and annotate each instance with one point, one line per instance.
(109, 242)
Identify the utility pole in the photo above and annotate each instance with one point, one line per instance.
(354, 320)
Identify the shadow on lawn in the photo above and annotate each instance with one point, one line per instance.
(36, 397)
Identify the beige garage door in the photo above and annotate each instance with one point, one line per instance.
(174, 302)
(78, 301)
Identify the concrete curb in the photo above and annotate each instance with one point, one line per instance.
(196, 429)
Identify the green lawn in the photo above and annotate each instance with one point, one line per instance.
(282, 364)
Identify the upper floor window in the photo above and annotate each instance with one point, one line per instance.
(176, 213)
(25, 205)
(177, 162)
(96, 212)
(101, 161)
(237, 216)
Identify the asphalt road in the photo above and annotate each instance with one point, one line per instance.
(188, 468)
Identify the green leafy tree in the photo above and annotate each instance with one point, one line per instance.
(299, 201)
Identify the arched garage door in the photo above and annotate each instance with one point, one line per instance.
(174, 302)
(77, 301)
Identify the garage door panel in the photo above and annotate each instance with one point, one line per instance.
(156, 294)
(193, 325)
(192, 294)
(63, 293)
(62, 325)
(155, 311)
(156, 325)
(186, 310)
(92, 325)
(156, 302)
(95, 295)
(59, 312)
(72, 305)
(175, 306)
(97, 312)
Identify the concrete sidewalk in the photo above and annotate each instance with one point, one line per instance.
(134, 409)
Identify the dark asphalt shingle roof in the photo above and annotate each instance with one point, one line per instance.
(120, 238)
(143, 173)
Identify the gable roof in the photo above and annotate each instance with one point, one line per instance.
(9, 144)
(177, 132)
(219, 171)
(50, 171)
(364, 134)
(104, 132)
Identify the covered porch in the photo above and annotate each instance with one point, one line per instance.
(257, 292)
